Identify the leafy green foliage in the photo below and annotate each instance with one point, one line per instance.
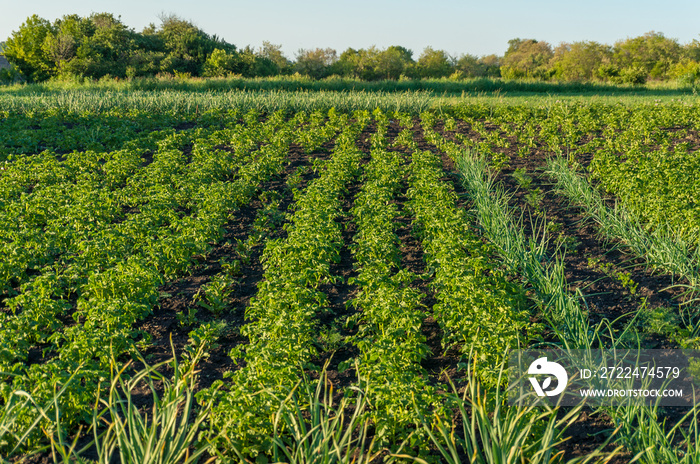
(581, 61)
(24, 49)
(477, 307)
(113, 228)
(101, 45)
(100, 206)
(526, 58)
(281, 327)
(389, 321)
(654, 181)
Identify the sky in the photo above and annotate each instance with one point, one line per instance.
(457, 27)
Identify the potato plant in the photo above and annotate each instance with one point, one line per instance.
(107, 197)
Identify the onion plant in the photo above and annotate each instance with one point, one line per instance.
(528, 256)
(661, 248)
(495, 432)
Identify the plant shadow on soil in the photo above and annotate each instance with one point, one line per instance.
(606, 297)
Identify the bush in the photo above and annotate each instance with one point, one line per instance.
(686, 72)
(633, 75)
(609, 72)
(9, 76)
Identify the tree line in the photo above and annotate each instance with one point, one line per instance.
(101, 45)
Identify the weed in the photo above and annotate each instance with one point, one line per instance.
(524, 180)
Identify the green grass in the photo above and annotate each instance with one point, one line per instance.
(193, 96)
(335, 83)
(183, 103)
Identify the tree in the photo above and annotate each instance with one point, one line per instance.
(491, 64)
(96, 46)
(60, 48)
(686, 71)
(363, 64)
(347, 64)
(219, 63)
(24, 49)
(580, 61)
(149, 53)
(651, 52)
(372, 64)
(392, 62)
(471, 66)
(434, 63)
(251, 64)
(62, 45)
(111, 45)
(186, 46)
(526, 58)
(273, 53)
(315, 63)
(691, 51)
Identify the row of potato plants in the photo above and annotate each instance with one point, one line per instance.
(646, 155)
(652, 174)
(282, 316)
(56, 130)
(319, 131)
(85, 240)
(52, 203)
(478, 307)
(60, 130)
(482, 310)
(107, 278)
(527, 257)
(389, 337)
(467, 279)
(639, 425)
(215, 294)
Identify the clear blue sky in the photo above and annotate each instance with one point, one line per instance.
(458, 27)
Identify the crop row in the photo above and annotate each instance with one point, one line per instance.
(282, 315)
(662, 241)
(84, 240)
(68, 209)
(478, 308)
(525, 256)
(646, 155)
(655, 180)
(79, 310)
(389, 337)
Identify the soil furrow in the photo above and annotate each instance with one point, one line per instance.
(178, 295)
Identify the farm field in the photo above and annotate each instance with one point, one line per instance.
(339, 276)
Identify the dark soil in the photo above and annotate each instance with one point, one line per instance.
(163, 324)
(605, 296)
(340, 294)
(592, 266)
